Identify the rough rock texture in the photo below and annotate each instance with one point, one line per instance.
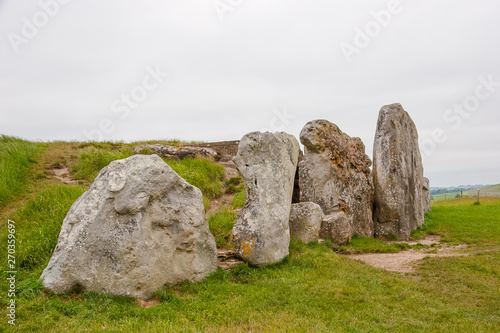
(267, 162)
(139, 227)
(296, 182)
(335, 174)
(426, 189)
(337, 227)
(397, 174)
(305, 221)
(180, 152)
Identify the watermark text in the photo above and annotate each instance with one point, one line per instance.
(11, 273)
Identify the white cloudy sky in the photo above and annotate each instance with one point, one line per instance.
(230, 72)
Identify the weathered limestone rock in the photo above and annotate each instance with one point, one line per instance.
(138, 228)
(305, 221)
(180, 153)
(335, 174)
(426, 189)
(336, 227)
(267, 162)
(397, 174)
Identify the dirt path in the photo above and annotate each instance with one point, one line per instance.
(63, 174)
(217, 203)
(405, 261)
(227, 150)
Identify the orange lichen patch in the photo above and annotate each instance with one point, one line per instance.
(343, 207)
(247, 247)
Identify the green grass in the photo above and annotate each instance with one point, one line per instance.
(239, 199)
(16, 159)
(38, 224)
(313, 290)
(460, 221)
(206, 175)
(221, 225)
(370, 245)
(92, 160)
(235, 185)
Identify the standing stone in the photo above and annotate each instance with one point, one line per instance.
(267, 162)
(397, 174)
(138, 228)
(336, 227)
(426, 188)
(305, 221)
(335, 174)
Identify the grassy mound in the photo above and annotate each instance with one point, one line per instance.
(313, 290)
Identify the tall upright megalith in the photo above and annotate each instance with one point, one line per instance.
(427, 195)
(335, 174)
(267, 162)
(397, 174)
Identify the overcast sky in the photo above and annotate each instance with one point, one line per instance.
(214, 70)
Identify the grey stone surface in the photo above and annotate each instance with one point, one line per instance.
(336, 227)
(305, 221)
(267, 162)
(180, 153)
(335, 174)
(397, 174)
(138, 228)
(426, 189)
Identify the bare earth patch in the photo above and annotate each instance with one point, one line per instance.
(63, 174)
(404, 261)
(147, 304)
(217, 203)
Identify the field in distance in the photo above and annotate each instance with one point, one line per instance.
(487, 191)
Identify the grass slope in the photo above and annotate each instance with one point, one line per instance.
(16, 159)
(313, 290)
(488, 191)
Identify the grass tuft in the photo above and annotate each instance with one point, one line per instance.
(221, 225)
(239, 200)
(235, 185)
(206, 175)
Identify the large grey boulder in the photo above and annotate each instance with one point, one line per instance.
(336, 227)
(397, 174)
(335, 174)
(267, 162)
(138, 228)
(305, 221)
(426, 189)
